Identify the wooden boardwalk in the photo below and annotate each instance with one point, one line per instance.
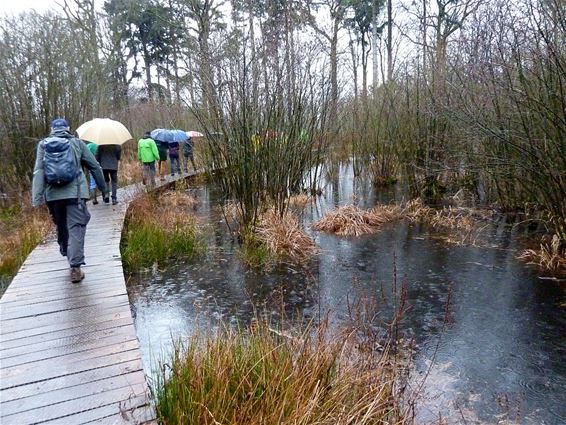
(69, 352)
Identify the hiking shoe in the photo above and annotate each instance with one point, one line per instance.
(114, 201)
(63, 251)
(106, 200)
(77, 274)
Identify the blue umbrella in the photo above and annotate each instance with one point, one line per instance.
(168, 136)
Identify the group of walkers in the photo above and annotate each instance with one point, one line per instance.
(151, 151)
(60, 181)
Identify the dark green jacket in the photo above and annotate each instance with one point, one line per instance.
(42, 191)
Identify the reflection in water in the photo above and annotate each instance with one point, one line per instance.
(500, 355)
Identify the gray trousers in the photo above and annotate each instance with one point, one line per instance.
(149, 173)
(70, 217)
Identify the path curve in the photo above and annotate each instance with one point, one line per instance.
(69, 352)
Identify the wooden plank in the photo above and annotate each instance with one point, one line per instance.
(63, 277)
(59, 266)
(56, 334)
(41, 310)
(73, 345)
(68, 364)
(68, 381)
(131, 411)
(144, 415)
(43, 307)
(71, 392)
(63, 319)
(26, 298)
(67, 409)
(79, 298)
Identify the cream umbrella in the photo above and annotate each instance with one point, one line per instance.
(104, 131)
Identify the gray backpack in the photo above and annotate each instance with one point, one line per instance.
(59, 161)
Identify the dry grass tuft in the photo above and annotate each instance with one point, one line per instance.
(268, 377)
(232, 212)
(22, 228)
(176, 199)
(130, 171)
(284, 238)
(551, 256)
(299, 201)
(350, 220)
(464, 219)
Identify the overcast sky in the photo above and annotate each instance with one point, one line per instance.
(16, 6)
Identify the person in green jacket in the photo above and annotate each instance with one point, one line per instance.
(93, 148)
(66, 201)
(148, 154)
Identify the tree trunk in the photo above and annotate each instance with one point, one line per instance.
(334, 76)
(389, 41)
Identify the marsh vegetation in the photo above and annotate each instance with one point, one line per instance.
(459, 105)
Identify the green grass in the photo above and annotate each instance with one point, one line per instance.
(255, 252)
(148, 243)
(158, 229)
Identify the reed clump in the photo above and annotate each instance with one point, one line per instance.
(270, 377)
(447, 218)
(350, 220)
(550, 256)
(22, 228)
(300, 200)
(284, 238)
(159, 227)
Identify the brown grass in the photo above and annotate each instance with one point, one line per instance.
(22, 228)
(350, 220)
(550, 256)
(130, 171)
(284, 237)
(175, 199)
(270, 377)
(169, 209)
(447, 218)
(299, 201)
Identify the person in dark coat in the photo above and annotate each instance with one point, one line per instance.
(174, 158)
(108, 156)
(162, 148)
(188, 154)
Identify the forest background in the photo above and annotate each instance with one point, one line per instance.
(444, 94)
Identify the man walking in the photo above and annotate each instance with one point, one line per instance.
(188, 154)
(59, 180)
(148, 154)
(108, 156)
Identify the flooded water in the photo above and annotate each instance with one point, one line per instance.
(495, 353)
